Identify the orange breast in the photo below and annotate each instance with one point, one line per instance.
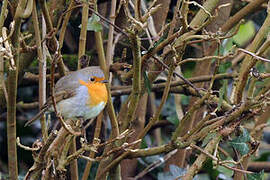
(97, 91)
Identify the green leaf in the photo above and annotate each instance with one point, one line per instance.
(240, 144)
(245, 136)
(144, 144)
(223, 67)
(256, 176)
(185, 99)
(93, 24)
(208, 138)
(227, 172)
(208, 167)
(264, 156)
(245, 33)
(222, 91)
(161, 39)
(227, 47)
(147, 82)
(173, 119)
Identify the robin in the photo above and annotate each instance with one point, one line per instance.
(81, 94)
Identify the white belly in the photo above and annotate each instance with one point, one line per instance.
(77, 106)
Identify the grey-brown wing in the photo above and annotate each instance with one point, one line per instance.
(61, 95)
(58, 97)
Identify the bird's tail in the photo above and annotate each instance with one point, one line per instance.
(37, 116)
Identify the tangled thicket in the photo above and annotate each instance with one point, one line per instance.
(210, 111)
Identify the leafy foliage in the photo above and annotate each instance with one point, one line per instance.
(256, 176)
(135, 25)
(246, 32)
(93, 24)
(227, 172)
(240, 143)
(208, 138)
(147, 82)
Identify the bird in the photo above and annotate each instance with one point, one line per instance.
(80, 94)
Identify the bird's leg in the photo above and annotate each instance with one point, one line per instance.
(80, 124)
(86, 126)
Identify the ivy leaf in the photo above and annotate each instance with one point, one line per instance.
(147, 82)
(245, 136)
(240, 143)
(240, 146)
(185, 99)
(227, 172)
(246, 32)
(227, 47)
(256, 176)
(264, 156)
(222, 91)
(224, 67)
(161, 39)
(93, 24)
(173, 119)
(208, 138)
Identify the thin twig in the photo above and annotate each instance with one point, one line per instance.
(42, 71)
(26, 147)
(155, 164)
(83, 33)
(92, 153)
(254, 55)
(163, 100)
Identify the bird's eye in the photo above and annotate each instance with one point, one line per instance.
(92, 79)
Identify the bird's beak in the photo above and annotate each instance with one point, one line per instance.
(104, 81)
